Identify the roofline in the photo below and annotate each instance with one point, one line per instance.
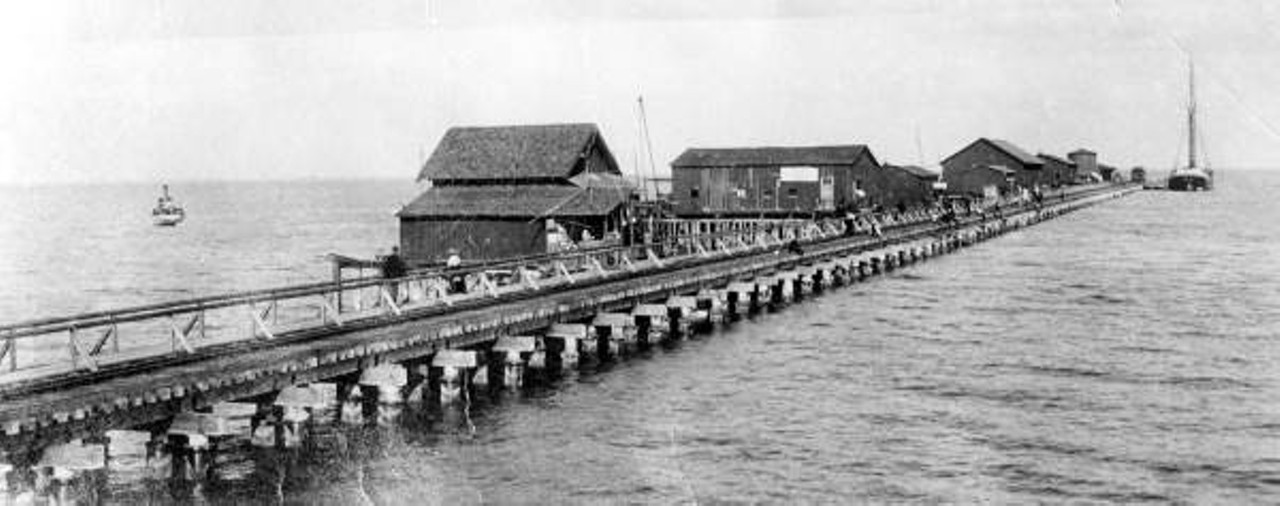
(863, 149)
(1056, 158)
(992, 144)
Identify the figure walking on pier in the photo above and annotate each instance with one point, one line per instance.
(394, 268)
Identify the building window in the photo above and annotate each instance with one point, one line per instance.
(693, 193)
(792, 192)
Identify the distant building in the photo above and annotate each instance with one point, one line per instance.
(497, 192)
(907, 186)
(1138, 175)
(1086, 164)
(1028, 170)
(1058, 171)
(773, 180)
(1107, 172)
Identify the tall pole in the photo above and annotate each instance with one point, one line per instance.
(1191, 116)
(644, 125)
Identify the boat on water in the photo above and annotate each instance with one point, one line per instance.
(167, 212)
(1192, 177)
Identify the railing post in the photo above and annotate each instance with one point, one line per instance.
(653, 257)
(487, 284)
(595, 264)
(390, 303)
(10, 350)
(564, 271)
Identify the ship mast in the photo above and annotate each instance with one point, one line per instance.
(1191, 117)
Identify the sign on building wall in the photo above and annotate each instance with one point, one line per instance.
(798, 174)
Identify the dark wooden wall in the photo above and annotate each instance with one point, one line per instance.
(762, 190)
(428, 240)
(982, 153)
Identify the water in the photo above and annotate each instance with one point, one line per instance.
(69, 249)
(1126, 353)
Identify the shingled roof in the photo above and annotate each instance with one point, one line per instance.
(1055, 158)
(770, 156)
(916, 171)
(514, 201)
(1007, 148)
(514, 152)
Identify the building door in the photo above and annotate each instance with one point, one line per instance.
(827, 193)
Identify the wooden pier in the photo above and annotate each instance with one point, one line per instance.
(186, 371)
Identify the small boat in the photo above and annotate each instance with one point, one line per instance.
(1191, 178)
(167, 213)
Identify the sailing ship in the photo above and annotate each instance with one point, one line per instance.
(1192, 177)
(167, 213)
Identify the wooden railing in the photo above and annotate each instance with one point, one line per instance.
(87, 341)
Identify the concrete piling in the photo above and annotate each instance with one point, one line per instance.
(652, 323)
(715, 303)
(60, 464)
(507, 359)
(683, 315)
(742, 298)
(616, 332)
(453, 368)
(563, 342)
(388, 380)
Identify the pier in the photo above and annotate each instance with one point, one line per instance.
(189, 374)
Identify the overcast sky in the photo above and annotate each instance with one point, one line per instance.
(148, 90)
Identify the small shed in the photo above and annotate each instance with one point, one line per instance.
(1107, 172)
(773, 180)
(1138, 175)
(507, 191)
(907, 186)
(1027, 168)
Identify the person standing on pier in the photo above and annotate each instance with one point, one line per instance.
(394, 268)
(457, 283)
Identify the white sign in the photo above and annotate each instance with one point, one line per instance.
(798, 174)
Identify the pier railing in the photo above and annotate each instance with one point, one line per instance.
(89, 341)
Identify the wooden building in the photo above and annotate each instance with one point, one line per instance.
(1086, 165)
(773, 180)
(907, 186)
(499, 192)
(980, 180)
(1027, 169)
(1058, 171)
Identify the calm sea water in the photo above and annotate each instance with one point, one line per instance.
(1127, 353)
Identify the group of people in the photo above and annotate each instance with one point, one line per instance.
(394, 267)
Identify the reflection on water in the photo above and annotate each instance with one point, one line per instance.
(1126, 353)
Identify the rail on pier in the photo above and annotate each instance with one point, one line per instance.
(84, 343)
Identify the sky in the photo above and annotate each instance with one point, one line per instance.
(186, 90)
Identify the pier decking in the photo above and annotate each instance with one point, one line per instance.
(582, 306)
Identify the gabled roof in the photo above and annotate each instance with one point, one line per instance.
(771, 156)
(1004, 146)
(514, 201)
(915, 170)
(515, 152)
(1048, 157)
